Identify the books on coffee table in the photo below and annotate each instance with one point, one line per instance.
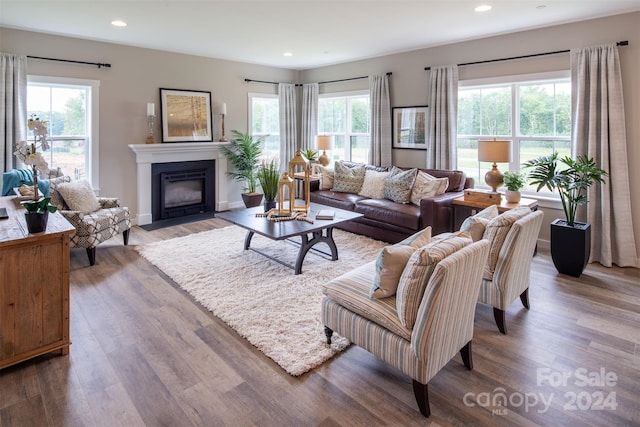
(325, 214)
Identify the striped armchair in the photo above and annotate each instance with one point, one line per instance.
(417, 331)
(506, 276)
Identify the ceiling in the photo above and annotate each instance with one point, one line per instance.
(315, 32)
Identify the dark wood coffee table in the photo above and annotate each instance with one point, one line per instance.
(321, 231)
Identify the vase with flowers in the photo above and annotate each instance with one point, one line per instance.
(37, 208)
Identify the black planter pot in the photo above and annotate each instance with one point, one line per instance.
(570, 246)
(251, 200)
(269, 204)
(36, 222)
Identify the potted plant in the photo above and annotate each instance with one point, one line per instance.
(268, 176)
(310, 154)
(570, 240)
(514, 181)
(244, 152)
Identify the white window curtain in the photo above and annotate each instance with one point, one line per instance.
(309, 116)
(13, 99)
(380, 151)
(287, 100)
(599, 132)
(443, 116)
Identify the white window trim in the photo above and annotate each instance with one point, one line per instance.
(94, 131)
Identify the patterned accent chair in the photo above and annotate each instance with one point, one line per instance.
(513, 236)
(95, 227)
(418, 331)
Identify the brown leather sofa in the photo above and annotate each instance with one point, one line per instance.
(390, 221)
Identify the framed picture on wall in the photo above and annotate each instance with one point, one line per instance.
(410, 127)
(186, 115)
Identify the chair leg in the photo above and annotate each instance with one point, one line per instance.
(329, 333)
(501, 321)
(422, 397)
(467, 357)
(524, 297)
(125, 236)
(91, 252)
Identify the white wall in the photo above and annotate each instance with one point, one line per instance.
(137, 74)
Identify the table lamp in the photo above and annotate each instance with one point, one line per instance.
(325, 142)
(496, 151)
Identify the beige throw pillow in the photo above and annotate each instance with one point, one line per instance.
(426, 185)
(326, 178)
(79, 196)
(373, 185)
(496, 232)
(392, 260)
(476, 224)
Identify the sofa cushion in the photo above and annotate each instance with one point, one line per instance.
(346, 201)
(373, 185)
(392, 260)
(398, 184)
(326, 178)
(351, 290)
(79, 196)
(418, 271)
(56, 197)
(476, 224)
(384, 210)
(348, 179)
(496, 232)
(426, 185)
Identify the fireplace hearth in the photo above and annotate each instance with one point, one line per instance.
(182, 188)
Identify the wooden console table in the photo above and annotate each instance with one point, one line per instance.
(467, 207)
(34, 286)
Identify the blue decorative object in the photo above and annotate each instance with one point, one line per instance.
(17, 177)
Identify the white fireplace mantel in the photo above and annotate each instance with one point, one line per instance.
(148, 154)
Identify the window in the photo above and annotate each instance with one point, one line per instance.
(533, 112)
(264, 120)
(70, 108)
(347, 117)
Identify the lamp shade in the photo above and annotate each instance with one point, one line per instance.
(494, 150)
(325, 142)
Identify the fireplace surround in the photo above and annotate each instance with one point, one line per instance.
(149, 154)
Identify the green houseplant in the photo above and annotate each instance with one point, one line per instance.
(244, 153)
(570, 240)
(514, 182)
(310, 154)
(268, 176)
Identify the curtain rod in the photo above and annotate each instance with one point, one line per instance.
(320, 83)
(97, 64)
(621, 43)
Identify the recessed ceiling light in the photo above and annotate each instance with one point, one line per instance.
(483, 8)
(542, 6)
(287, 54)
(118, 23)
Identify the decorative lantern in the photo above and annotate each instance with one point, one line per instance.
(300, 168)
(286, 193)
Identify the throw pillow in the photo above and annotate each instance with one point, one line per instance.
(326, 178)
(476, 224)
(391, 262)
(373, 185)
(417, 273)
(397, 185)
(79, 196)
(496, 232)
(346, 179)
(427, 185)
(56, 197)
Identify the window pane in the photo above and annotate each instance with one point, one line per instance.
(530, 150)
(265, 116)
(332, 115)
(468, 159)
(338, 151)
(360, 116)
(68, 155)
(360, 148)
(495, 107)
(469, 112)
(563, 109)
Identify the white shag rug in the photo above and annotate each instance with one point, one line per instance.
(276, 311)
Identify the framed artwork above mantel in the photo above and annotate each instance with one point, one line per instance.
(410, 127)
(186, 115)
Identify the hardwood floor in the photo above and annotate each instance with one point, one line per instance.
(144, 353)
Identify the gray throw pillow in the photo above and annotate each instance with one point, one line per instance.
(398, 184)
(346, 179)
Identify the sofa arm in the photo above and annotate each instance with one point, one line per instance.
(437, 212)
(109, 202)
